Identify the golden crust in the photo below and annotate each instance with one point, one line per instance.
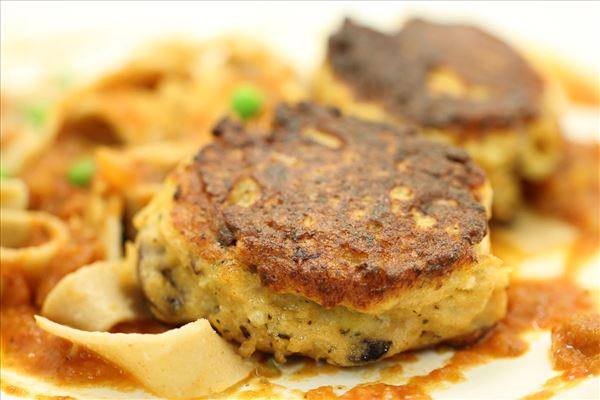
(340, 210)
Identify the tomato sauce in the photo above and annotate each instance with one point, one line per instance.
(576, 345)
(27, 348)
(83, 249)
(49, 188)
(575, 351)
(367, 392)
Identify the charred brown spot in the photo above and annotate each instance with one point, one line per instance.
(177, 193)
(167, 274)
(245, 331)
(301, 255)
(225, 237)
(369, 350)
(174, 303)
(220, 127)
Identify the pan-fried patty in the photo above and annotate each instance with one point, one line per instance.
(329, 236)
(458, 84)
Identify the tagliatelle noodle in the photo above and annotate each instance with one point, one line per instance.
(95, 298)
(186, 362)
(17, 229)
(13, 194)
(105, 212)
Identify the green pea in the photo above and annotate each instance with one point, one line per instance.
(246, 102)
(36, 114)
(80, 173)
(4, 173)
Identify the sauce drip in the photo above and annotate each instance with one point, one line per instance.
(532, 305)
(366, 392)
(27, 348)
(575, 352)
(576, 345)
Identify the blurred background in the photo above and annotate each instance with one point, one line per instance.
(75, 42)
(87, 37)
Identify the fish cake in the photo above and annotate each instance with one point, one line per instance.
(328, 236)
(457, 84)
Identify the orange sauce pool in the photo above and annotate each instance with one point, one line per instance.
(373, 391)
(532, 305)
(575, 352)
(27, 348)
(576, 345)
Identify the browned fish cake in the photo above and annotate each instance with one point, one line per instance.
(458, 84)
(396, 70)
(289, 240)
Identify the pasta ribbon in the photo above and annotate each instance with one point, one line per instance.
(13, 194)
(186, 362)
(95, 298)
(30, 239)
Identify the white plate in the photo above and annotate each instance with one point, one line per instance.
(86, 38)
